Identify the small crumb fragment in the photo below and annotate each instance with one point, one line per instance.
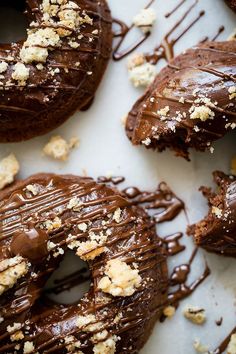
(169, 311)
(28, 347)
(145, 19)
(199, 347)
(232, 92)
(124, 119)
(136, 59)
(142, 75)
(58, 148)
(106, 347)
(163, 111)
(120, 279)
(3, 67)
(201, 112)
(195, 314)
(231, 349)
(20, 73)
(9, 167)
(217, 212)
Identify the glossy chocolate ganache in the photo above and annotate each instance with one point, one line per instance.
(43, 216)
(190, 104)
(56, 69)
(217, 231)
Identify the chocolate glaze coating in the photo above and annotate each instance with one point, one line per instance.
(207, 69)
(47, 101)
(132, 239)
(231, 4)
(217, 231)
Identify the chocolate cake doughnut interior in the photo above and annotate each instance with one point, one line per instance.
(40, 219)
(190, 104)
(217, 231)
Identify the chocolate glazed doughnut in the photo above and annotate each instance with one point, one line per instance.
(42, 217)
(190, 104)
(57, 69)
(217, 231)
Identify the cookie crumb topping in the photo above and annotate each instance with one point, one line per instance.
(195, 314)
(201, 112)
(169, 311)
(145, 19)
(9, 167)
(11, 270)
(120, 279)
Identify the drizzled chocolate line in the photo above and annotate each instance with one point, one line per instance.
(122, 33)
(222, 347)
(168, 14)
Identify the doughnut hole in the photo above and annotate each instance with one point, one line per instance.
(13, 21)
(70, 281)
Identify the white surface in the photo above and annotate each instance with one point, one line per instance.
(104, 148)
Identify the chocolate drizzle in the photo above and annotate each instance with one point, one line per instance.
(162, 204)
(179, 278)
(222, 347)
(122, 32)
(172, 244)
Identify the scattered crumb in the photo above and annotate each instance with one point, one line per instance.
(28, 347)
(199, 347)
(58, 148)
(169, 311)
(142, 75)
(231, 349)
(232, 92)
(145, 19)
(9, 167)
(201, 112)
(120, 279)
(195, 314)
(106, 347)
(136, 59)
(217, 212)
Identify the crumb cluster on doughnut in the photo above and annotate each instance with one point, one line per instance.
(40, 219)
(56, 69)
(190, 104)
(217, 231)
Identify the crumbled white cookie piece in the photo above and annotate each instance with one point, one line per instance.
(82, 227)
(20, 73)
(199, 347)
(231, 349)
(74, 204)
(9, 167)
(72, 344)
(120, 279)
(58, 148)
(52, 224)
(145, 19)
(232, 92)
(90, 249)
(201, 112)
(146, 141)
(142, 75)
(195, 314)
(217, 212)
(3, 67)
(136, 59)
(169, 311)
(18, 335)
(32, 188)
(106, 347)
(163, 111)
(88, 323)
(16, 326)
(117, 215)
(28, 347)
(11, 270)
